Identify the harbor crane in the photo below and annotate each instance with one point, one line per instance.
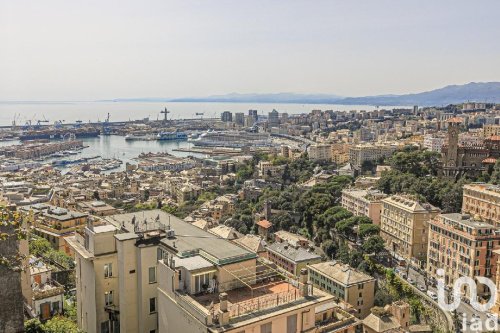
(199, 114)
(106, 129)
(165, 112)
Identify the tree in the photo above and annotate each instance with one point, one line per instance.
(33, 326)
(382, 298)
(146, 194)
(330, 248)
(39, 246)
(373, 244)
(60, 324)
(495, 174)
(366, 230)
(96, 195)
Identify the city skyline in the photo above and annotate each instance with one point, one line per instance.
(88, 51)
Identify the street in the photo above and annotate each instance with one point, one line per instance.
(463, 308)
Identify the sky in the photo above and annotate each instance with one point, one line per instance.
(98, 49)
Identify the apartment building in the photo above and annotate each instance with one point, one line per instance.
(116, 272)
(482, 200)
(321, 152)
(352, 286)
(490, 130)
(433, 142)
(363, 202)
(208, 285)
(55, 223)
(462, 246)
(291, 259)
(404, 226)
(369, 152)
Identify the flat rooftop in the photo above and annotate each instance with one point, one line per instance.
(188, 241)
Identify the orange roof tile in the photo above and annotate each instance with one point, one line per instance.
(490, 160)
(495, 138)
(264, 224)
(455, 120)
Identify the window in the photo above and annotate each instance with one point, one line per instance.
(291, 324)
(152, 331)
(108, 298)
(108, 270)
(266, 328)
(152, 274)
(152, 305)
(105, 327)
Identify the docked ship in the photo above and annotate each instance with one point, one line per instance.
(172, 136)
(139, 137)
(60, 133)
(232, 139)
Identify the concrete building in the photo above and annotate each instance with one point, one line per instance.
(394, 318)
(291, 259)
(116, 272)
(55, 223)
(239, 118)
(350, 285)
(491, 130)
(482, 200)
(369, 152)
(218, 290)
(226, 116)
(273, 118)
(462, 246)
(321, 152)
(404, 226)
(47, 296)
(362, 202)
(433, 142)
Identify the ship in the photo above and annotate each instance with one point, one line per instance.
(232, 139)
(139, 137)
(59, 134)
(172, 136)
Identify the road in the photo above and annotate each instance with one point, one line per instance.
(463, 308)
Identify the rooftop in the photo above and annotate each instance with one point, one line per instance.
(294, 254)
(188, 240)
(341, 273)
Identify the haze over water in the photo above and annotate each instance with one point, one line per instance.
(123, 111)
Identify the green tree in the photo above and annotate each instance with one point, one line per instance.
(39, 246)
(60, 324)
(495, 174)
(373, 244)
(33, 326)
(330, 248)
(366, 230)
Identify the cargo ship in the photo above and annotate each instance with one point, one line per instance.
(172, 136)
(59, 134)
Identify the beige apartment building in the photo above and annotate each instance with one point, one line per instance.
(490, 130)
(482, 200)
(404, 226)
(363, 202)
(462, 246)
(116, 272)
(369, 152)
(352, 286)
(208, 284)
(320, 152)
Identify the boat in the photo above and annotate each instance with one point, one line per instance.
(172, 136)
(60, 133)
(139, 137)
(232, 139)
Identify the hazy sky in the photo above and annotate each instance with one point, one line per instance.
(86, 50)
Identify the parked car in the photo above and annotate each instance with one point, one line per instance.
(432, 295)
(422, 288)
(411, 281)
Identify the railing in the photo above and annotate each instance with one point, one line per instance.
(195, 309)
(263, 302)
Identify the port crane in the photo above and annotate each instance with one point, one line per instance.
(200, 114)
(39, 122)
(165, 112)
(105, 127)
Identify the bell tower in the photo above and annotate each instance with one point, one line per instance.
(452, 153)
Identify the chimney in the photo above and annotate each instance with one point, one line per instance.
(223, 310)
(304, 285)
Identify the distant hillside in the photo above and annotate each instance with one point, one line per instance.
(488, 92)
(265, 98)
(476, 92)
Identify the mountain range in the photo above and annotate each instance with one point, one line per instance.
(488, 92)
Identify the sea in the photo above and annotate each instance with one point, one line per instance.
(69, 112)
(115, 146)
